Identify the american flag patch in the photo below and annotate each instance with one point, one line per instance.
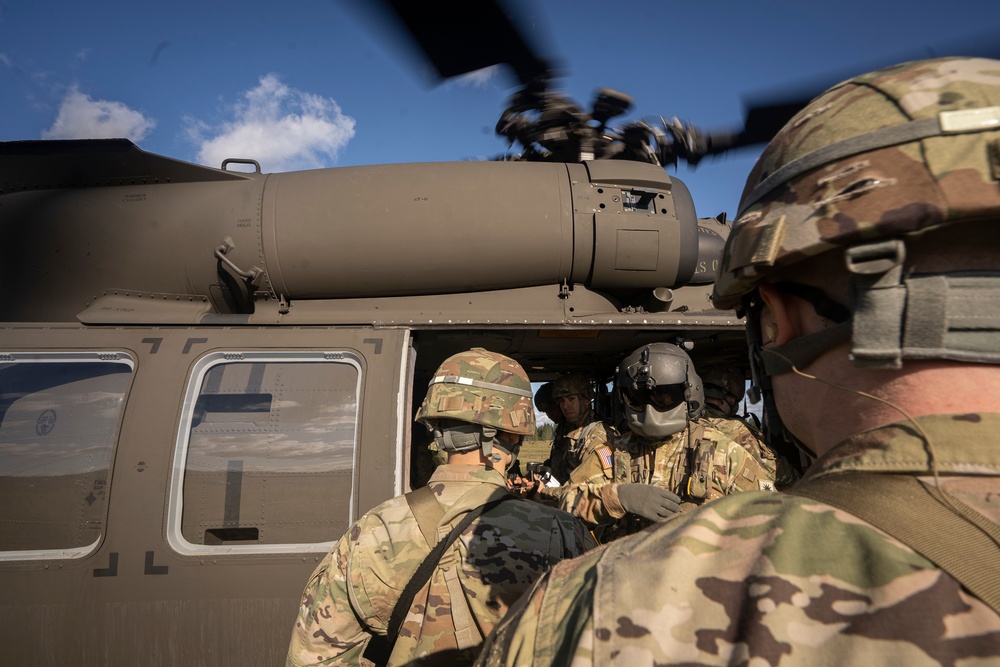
(604, 452)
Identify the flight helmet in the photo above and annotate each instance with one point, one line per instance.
(659, 390)
(543, 397)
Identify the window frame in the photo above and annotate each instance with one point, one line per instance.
(175, 501)
(79, 356)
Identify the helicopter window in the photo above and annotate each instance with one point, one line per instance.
(267, 453)
(59, 417)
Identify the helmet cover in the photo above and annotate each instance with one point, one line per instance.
(480, 387)
(883, 155)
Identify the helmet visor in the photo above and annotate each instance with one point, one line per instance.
(661, 397)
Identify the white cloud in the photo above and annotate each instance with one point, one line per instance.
(282, 128)
(81, 117)
(480, 78)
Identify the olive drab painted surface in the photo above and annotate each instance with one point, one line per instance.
(208, 375)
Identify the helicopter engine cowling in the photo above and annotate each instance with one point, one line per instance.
(157, 225)
(397, 230)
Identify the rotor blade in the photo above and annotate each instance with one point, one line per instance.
(462, 36)
(767, 113)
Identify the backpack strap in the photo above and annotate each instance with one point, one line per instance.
(427, 511)
(932, 522)
(380, 648)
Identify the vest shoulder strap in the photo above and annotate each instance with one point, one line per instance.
(935, 524)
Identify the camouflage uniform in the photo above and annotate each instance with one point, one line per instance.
(709, 459)
(351, 594)
(574, 440)
(750, 437)
(748, 579)
(570, 449)
(472, 398)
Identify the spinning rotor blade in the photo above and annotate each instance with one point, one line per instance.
(459, 36)
(766, 114)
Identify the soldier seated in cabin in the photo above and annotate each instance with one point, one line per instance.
(670, 459)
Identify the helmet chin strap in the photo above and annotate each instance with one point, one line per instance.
(464, 437)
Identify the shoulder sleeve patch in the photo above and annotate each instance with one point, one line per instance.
(604, 453)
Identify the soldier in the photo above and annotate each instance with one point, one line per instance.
(865, 259)
(580, 431)
(478, 407)
(725, 387)
(669, 460)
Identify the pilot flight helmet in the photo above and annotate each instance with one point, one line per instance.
(474, 395)
(659, 390)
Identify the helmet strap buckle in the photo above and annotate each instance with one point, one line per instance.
(878, 299)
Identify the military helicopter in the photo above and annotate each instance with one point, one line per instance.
(206, 375)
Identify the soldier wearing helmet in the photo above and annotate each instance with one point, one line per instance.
(865, 260)
(478, 407)
(580, 432)
(670, 459)
(725, 387)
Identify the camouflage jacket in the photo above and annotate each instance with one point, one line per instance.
(775, 579)
(710, 459)
(750, 436)
(350, 596)
(569, 450)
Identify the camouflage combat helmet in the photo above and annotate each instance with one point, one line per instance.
(569, 385)
(719, 380)
(653, 371)
(484, 389)
(865, 167)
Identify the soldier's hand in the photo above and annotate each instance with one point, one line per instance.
(651, 502)
(522, 486)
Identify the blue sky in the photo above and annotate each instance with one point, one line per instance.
(304, 83)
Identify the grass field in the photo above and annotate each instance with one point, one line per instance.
(534, 451)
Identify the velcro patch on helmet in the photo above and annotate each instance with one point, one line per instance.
(452, 404)
(518, 417)
(769, 243)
